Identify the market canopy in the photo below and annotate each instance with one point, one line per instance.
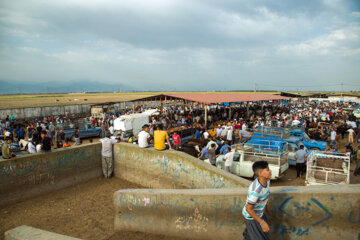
(214, 98)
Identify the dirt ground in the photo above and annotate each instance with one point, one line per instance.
(85, 211)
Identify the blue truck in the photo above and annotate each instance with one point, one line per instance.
(86, 130)
(308, 142)
(290, 144)
(295, 134)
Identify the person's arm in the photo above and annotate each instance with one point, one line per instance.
(9, 153)
(250, 210)
(295, 157)
(267, 207)
(168, 141)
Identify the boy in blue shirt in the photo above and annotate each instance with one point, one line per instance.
(257, 201)
(225, 148)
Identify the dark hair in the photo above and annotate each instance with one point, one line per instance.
(213, 145)
(145, 126)
(159, 127)
(259, 166)
(43, 132)
(301, 146)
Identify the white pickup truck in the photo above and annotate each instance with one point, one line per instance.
(246, 156)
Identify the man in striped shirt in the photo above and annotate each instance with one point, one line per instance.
(257, 201)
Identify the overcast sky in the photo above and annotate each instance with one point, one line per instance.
(183, 44)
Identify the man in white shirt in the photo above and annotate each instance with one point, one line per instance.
(31, 147)
(208, 146)
(229, 136)
(106, 155)
(38, 148)
(295, 122)
(224, 132)
(228, 158)
(332, 136)
(351, 135)
(206, 134)
(219, 131)
(144, 137)
(111, 130)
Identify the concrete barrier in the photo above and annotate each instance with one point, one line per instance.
(29, 233)
(32, 175)
(36, 112)
(169, 169)
(316, 212)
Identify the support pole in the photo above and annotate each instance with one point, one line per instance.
(133, 107)
(247, 109)
(161, 106)
(229, 111)
(206, 116)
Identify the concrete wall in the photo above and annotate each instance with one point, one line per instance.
(36, 112)
(317, 212)
(169, 169)
(32, 175)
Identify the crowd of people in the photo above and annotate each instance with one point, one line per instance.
(222, 128)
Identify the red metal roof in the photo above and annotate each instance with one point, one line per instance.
(209, 98)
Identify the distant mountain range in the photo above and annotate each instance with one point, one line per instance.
(8, 87)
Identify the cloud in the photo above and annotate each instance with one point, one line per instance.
(179, 44)
(338, 42)
(355, 14)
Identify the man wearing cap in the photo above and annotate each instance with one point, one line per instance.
(6, 152)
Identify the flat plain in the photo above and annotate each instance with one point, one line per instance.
(40, 100)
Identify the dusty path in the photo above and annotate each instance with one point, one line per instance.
(85, 211)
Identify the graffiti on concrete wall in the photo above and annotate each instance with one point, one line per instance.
(35, 169)
(294, 209)
(196, 222)
(315, 214)
(176, 169)
(298, 232)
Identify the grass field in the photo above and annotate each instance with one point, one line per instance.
(38, 100)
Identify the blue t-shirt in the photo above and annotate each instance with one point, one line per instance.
(198, 134)
(204, 152)
(223, 149)
(22, 133)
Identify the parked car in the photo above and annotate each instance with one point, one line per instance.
(86, 130)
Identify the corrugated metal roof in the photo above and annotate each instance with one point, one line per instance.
(209, 98)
